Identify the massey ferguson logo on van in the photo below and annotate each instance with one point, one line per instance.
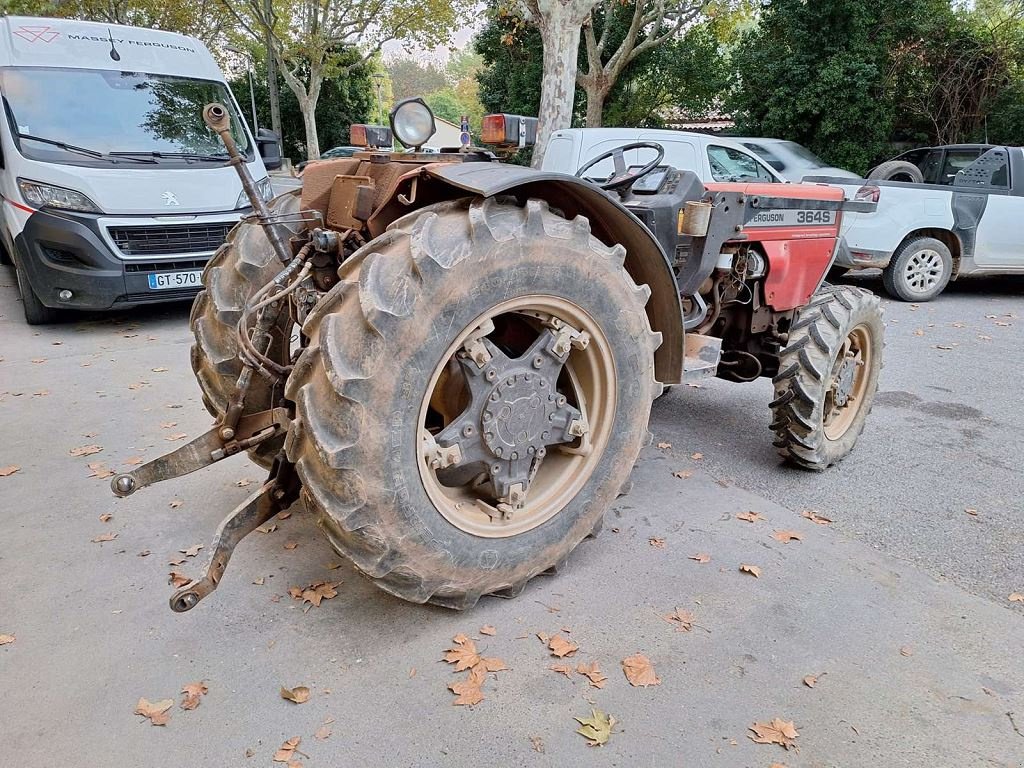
(37, 34)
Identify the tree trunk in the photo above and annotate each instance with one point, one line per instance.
(559, 25)
(308, 97)
(596, 96)
(312, 139)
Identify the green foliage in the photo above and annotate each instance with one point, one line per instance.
(445, 104)
(513, 57)
(346, 99)
(450, 91)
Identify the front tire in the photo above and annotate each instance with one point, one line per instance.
(919, 270)
(828, 376)
(386, 372)
(36, 313)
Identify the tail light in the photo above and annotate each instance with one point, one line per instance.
(869, 193)
(509, 131)
(377, 136)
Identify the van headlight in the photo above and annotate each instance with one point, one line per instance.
(49, 196)
(265, 189)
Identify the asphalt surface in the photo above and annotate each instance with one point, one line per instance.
(899, 608)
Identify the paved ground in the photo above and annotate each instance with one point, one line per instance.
(913, 670)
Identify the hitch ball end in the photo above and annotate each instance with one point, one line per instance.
(184, 601)
(215, 115)
(123, 485)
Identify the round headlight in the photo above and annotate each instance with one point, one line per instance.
(412, 122)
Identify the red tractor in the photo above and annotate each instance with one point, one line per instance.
(452, 360)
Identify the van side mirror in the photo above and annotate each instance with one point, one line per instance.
(269, 146)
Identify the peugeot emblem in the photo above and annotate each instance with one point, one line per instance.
(170, 199)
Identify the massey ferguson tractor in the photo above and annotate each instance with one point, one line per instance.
(451, 360)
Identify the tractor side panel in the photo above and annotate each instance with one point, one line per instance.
(795, 269)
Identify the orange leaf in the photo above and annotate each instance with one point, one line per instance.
(8, 471)
(177, 579)
(193, 692)
(810, 680)
(664, 446)
(463, 654)
(284, 754)
(656, 542)
(106, 517)
(562, 669)
(682, 619)
(487, 629)
(104, 537)
(701, 557)
(155, 711)
(1016, 597)
(560, 647)
(7, 639)
(639, 671)
(593, 673)
(696, 456)
(682, 474)
(777, 731)
(787, 536)
(297, 695)
(85, 450)
(814, 517)
(750, 517)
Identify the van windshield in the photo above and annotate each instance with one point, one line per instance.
(99, 117)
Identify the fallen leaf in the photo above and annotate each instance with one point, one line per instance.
(787, 536)
(597, 728)
(133, 460)
(98, 469)
(168, 424)
(562, 669)
(814, 517)
(106, 517)
(41, 393)
(243, 482)
(38, 360)
(175, 503)
(753, 570)
(810, 680)
(946, 347)
(412, 672)
(487, 629)
(155, 711)
(176, 436)
(749, 517)
(322, 733)
(682, 474)
(291, 544)
(593, 673)
(682, 619)
(656, 542)
(778, 731)
(332, 566)
(906, 650)
(259, 582)
(284, 754)
(144, 553)
(639, 671)
(267, 528)
(298, 695)
(314, 593)
(7, 639)
(468, 692)
(700, 557)
(138, 385)
(193, 692)
(664, 446)
(176, 560)
(537, 744)
(1016, 597)
(104, 537)
(983, 337)
(971, 511)
(191, 551)
(158, 369)
(560, 647)
(696, 456)
(8, 471)
(283, 515)
(919, 332)
(463, 654)
(85, 450)
(177, 579)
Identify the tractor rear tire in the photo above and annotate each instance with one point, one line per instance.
(240, 267)
(828, 376)
(381, 347)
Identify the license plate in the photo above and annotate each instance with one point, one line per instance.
(162, 280)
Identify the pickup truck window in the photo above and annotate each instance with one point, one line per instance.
(956, 160)
(728, 164)
(991, 170)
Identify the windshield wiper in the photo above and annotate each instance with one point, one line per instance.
(176, 156)
(81, 150)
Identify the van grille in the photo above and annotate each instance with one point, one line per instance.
(165, 266)
(183, 238)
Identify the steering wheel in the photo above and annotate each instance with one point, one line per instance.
(622, 178)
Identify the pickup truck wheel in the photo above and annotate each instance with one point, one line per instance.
(897, 170)
(828, 375)
(471, 403)
(919, 270)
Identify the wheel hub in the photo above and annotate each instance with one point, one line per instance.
(844, 382)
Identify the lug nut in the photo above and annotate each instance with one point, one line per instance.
(538, 361)
(467, 430)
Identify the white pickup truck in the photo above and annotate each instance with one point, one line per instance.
(970, 222)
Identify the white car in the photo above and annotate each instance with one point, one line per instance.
(712, 158)
(792, 160)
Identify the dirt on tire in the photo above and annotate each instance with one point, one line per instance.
(806, 367)
(374, 340)
(240, 267)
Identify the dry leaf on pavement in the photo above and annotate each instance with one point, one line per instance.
(696, 456)
(104, 537)
(106, 517)
(284, 754)
(243, 482)
(814, 517)
(191, 551)
(297, 695)
(177, 579)
(664, 446)
(1016, 597)
(593, 673)
(155, 711)
(487, 629)
(537, 744)
(159, 369)
(656, 542)
(85, 450)
(175, 560)
(560, 647)
(267, 528)
(701, 557)
(463, 654)
(810, 680)
(683, 619)
(749, 517)
(562, 669)
(8, 471)
(753, 570)
(193, 693)
(176, 436)
(98, 469)
(639, 671)
(906, 650)
(597, 728)
(314, 593)
(777, 731)
(323, 732)
(682, 474)
(291, 544)
(787, 536)
(6, 639)
(468, 692)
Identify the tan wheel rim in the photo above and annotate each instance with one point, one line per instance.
(848, 386)
(586, 382)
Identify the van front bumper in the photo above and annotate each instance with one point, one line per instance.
(61, 251)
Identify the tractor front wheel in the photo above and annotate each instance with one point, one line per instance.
(473, 400)
(828, 375)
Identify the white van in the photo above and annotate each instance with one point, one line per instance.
(712, 158)
(114, 191)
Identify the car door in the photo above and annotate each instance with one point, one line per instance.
(982, 191)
